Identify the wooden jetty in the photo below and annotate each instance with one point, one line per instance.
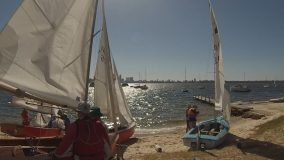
(236, 110)
(203, 99)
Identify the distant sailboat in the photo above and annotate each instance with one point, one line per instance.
(274, 83)
(211, 133)
(266, 86)
(270, 85)
(185, 81)
(240, 87)
(143, 87)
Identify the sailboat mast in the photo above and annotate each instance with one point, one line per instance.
(145, 74)
(185, 73)
(90, 53)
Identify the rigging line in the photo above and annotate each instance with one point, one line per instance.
(97, 33)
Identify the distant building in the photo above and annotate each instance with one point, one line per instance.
(120, 78)
(129, 79)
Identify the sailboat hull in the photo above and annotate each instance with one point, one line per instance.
(199, 137)
(125, 133)
(17, 130)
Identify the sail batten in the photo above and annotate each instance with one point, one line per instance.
(44, 49)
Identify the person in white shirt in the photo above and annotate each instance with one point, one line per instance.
(58, 123)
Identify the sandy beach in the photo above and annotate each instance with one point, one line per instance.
(242, 129)
(245, 141)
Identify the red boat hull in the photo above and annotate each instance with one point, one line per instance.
(28, 131)
(17, 130)
(125, 134)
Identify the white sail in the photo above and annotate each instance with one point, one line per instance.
(108, 94)
(226, 106)
(44, 49)
(124, 113)
(221, 95)
(103, 80)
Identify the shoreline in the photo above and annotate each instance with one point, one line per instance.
(142, 145)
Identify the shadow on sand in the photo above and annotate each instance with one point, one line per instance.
(262, 148)
(121, 148)
(257, 147)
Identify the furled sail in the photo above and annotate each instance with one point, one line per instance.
(44, 49)
(222, 99)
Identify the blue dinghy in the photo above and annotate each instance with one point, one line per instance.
(207, 134)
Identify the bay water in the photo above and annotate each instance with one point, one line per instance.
(163, 105)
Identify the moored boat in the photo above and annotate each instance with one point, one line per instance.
(240, 88)
(124, 84)
(201, 87)
(185, 90)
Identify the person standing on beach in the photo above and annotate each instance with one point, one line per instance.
(65, 118)
(192, 113)
(85, 138)
(187, 117)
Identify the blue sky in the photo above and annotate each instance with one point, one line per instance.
(163, 37)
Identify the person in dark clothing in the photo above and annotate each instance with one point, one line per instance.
(87, 136)
(66, 121)
(25, 117)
